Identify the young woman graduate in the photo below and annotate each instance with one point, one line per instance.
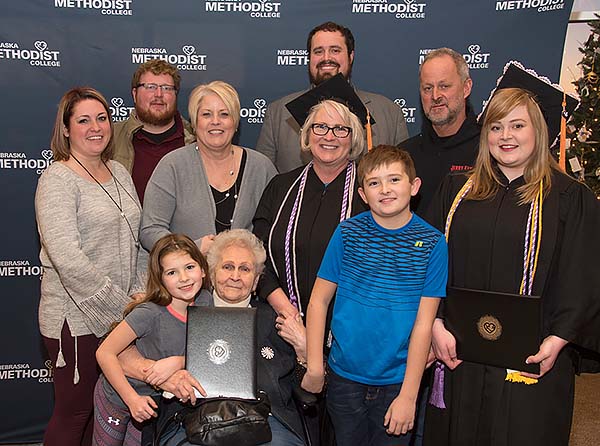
(517, 224)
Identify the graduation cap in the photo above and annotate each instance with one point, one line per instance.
(556, 106)
(338, 89)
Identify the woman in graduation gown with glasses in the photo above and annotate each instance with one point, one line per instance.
(300, 210)
(517, 224)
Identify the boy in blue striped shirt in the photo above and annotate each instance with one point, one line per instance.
(387, 269)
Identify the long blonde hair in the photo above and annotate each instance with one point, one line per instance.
(539, 167)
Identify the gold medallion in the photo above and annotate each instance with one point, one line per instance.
(489, 327)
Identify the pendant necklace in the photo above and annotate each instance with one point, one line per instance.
(119, 205)
(229, 192)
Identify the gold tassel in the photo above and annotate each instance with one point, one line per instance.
(516, 377)
(369, 134)
(563, 135)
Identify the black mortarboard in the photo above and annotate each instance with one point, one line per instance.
(548, 96)
(336, 88)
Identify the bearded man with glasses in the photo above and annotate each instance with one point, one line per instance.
(155, 127)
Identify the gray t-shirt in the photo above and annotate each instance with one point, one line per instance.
(160, 333)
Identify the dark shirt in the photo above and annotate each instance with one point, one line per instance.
(149, 149)
(436, 156)
(225, 201)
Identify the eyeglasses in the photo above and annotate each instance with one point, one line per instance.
(165, 88)
(339, 131)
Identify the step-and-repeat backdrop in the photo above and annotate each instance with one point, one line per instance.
(259, 46)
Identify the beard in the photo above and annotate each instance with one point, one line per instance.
(318, 79)
(448, 118)
(156, 119)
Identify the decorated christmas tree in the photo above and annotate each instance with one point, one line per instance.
(583, 128)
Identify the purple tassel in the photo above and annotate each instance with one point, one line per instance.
(436, 398)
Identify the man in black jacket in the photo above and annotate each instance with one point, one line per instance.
(449, 136)
(448, 142)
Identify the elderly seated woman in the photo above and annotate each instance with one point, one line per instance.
(236, 260)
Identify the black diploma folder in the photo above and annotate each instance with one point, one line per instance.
(498, 329)
(221, 350)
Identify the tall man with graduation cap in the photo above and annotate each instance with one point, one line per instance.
(331, 51)
(517, 224)
(300, 209)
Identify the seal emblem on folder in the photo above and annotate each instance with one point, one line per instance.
(489, 327)
(218, 351)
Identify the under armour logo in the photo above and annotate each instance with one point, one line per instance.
(114, 421)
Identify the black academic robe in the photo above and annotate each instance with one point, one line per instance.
(319, 215)
(486, 252)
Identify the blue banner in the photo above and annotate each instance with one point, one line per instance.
(259, 46)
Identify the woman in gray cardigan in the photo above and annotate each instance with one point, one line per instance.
(209, 186)
(88, 217)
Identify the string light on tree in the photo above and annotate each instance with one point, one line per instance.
(583, 129)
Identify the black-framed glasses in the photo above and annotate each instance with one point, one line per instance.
(339, 131)
(150, 86)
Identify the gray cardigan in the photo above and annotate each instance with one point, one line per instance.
(178, 198)
(90, 259)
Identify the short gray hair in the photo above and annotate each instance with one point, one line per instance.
(459, 61)
(357, 145)
(236, 237)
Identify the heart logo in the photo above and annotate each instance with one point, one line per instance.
(117, 102)
(474, 49)
(48, 364)
(408, 2)
(490, 327)
(260, 103)
(400, 102)
(40, 45)
(263, 1)
(47, 154)
(220, 352)
(189, 49)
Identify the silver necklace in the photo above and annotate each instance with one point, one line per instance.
(119, 205)
(224, 199)
(228, 194)
(232, 171)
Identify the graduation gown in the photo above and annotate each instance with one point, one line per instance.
(318, 216)
(486, 252)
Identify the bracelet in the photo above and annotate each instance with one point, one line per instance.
(301, 362)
